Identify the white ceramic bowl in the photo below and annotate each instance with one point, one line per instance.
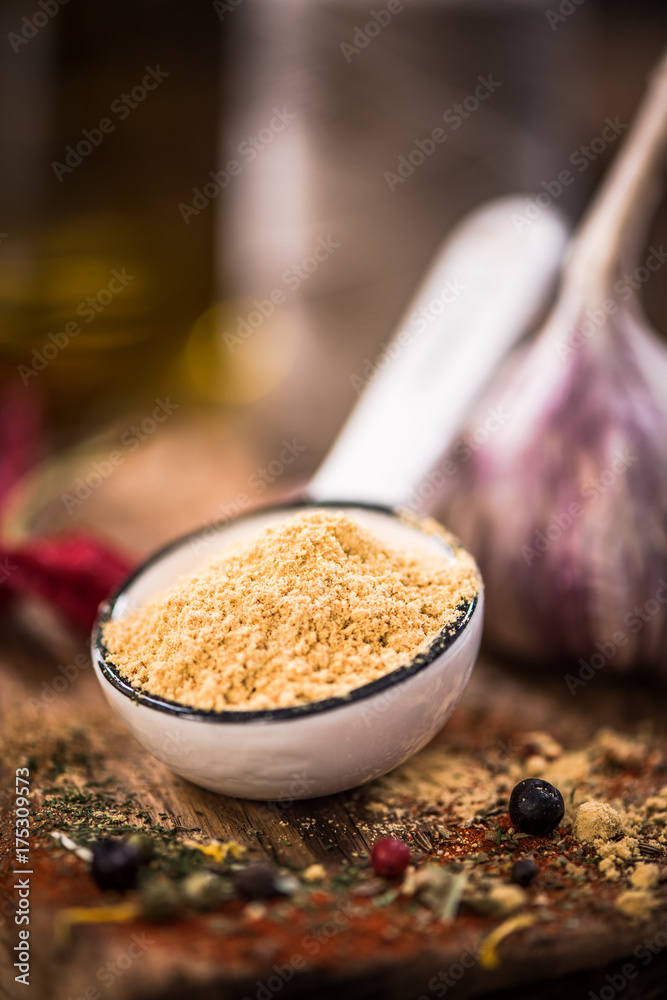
(308, 750)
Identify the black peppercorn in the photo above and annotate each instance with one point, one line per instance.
(115, 864)
(536, 807)
(257, 881)
(523, 871)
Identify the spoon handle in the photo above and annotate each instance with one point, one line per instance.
(488, 285)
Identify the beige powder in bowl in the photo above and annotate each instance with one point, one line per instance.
(310, 609)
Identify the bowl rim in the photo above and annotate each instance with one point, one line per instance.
(440, 643)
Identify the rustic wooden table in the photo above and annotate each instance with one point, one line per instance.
(344, 939)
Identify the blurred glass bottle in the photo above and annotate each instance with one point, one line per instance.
(332, 110)
(110, 210)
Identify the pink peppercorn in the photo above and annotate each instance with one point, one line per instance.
(390, 857)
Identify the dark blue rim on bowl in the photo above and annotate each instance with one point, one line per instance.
(441, 642)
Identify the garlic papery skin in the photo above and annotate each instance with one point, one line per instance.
(565, 505)
(564, 502)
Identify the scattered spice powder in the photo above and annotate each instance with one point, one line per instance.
(636, 904)
(311, 609)
(451, 901)
(596, 820)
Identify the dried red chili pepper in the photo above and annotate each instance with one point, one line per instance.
(72, 572)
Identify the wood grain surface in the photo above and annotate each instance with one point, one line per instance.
(331, 830)
(392, 952)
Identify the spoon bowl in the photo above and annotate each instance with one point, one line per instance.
(306, 750)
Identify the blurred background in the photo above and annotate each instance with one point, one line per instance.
(201, 237)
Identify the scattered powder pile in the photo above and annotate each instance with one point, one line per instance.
(620, 751)
(440, 774)
(616, 855)
(506, 899)
(646, 877)
(636, 904)
(311, 609)
(596, 820)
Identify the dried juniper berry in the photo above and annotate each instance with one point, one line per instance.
(536, 807)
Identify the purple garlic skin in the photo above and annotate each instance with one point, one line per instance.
(564, 506)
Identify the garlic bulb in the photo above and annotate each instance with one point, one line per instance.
(562, 496)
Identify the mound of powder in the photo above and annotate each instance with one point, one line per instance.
(595, 820)
(310, 609)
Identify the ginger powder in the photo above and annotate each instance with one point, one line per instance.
(309, 609)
